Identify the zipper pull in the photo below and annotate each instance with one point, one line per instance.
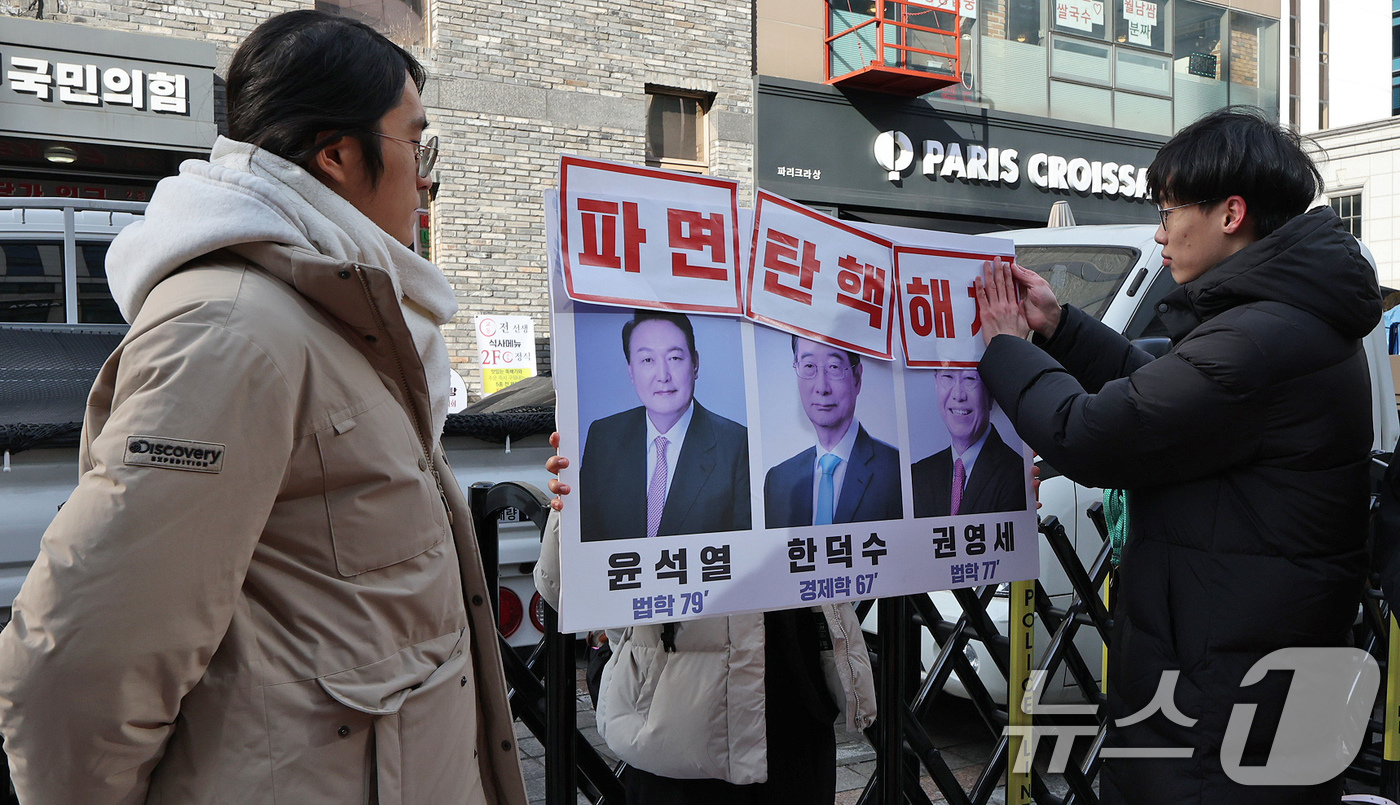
(443, 495)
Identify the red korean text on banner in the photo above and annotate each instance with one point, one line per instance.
(821, 278)
(641, 237)
(940, 321)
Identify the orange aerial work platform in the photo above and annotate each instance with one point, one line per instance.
(899, 47)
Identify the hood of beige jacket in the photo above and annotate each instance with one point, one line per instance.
(245, 195)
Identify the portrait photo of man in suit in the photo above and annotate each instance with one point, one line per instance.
(668, 466)
(978, 472)
(847, 476)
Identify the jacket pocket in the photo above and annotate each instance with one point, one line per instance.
(382, 501)
(423, 700)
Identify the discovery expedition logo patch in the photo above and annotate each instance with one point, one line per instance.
(174, 454)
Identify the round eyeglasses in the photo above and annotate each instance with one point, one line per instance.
(1164, 212)
(425, 154)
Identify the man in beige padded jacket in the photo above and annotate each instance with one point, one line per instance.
(266, 587)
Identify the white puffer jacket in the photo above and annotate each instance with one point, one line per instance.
(698, 712)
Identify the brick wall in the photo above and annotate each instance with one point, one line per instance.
(1244, 51)
(994, 19)
(513, 84)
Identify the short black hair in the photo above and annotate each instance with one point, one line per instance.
(305, 72)
(851, 357)
(1238, 151)
(678, 319)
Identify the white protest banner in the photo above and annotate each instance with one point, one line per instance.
(505, 348)
(638, 236)
(967, 9)
(938, 303)
(725, 511)
(1082, 15)
(818, 277)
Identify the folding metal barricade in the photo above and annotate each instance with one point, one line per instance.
(901, 742)
(543, 688)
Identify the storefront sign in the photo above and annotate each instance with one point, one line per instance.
(11, 186)
(505, 346)
(971, 162)
(60, 81)
(897, 160)
(159, 92)
(457, 397)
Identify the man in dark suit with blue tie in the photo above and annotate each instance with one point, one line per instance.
(977, 473)
(847, 476)
(669, 466)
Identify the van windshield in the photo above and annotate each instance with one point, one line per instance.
(32, 283)
(1084, 276)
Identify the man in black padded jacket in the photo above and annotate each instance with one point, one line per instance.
(1243, 451)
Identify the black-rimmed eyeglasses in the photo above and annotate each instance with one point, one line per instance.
(425, 154)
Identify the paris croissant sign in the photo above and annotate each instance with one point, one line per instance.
(990, 165)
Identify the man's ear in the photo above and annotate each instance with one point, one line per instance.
(857, 371)
(338, 163)
(1236, 212)
(695, 361)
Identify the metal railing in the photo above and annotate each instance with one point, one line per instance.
(893, 34)
(544, 685)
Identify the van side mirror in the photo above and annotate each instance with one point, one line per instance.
(1156, 347)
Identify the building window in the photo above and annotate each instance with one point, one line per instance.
(1295, 103)
(1139, 23)
(1012, 65)
(1348, 208)
(403, 21)
(1395, 57)
(1014, 20)
(1145, 65)
(1223, 58)
(1324, 81)
(677, 134)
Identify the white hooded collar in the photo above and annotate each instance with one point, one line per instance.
(243, 195)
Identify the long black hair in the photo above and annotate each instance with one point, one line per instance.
(306, 72)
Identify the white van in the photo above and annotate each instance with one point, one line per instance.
(58, 323)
